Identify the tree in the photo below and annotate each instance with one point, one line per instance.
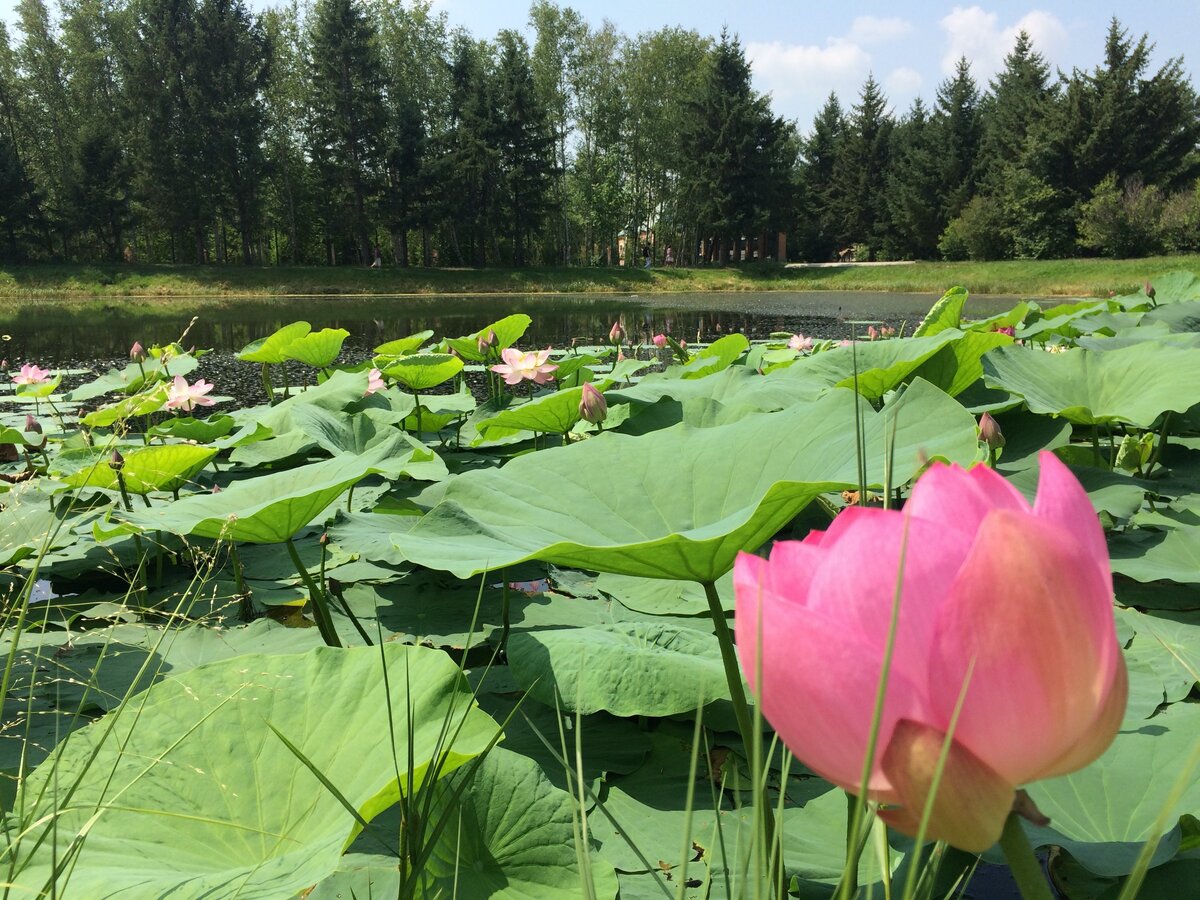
(346, 120)
(957, 129)
(858, 198)
(915, 187)
(1019, 99)
(525, 144)
(818, 229)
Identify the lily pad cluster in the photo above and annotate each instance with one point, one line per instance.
(409, 627)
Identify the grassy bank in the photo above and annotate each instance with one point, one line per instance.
(1072, 277)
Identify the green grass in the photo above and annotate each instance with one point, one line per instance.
(1071, 277)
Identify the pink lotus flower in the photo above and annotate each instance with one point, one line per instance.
(616, 333)
(872, 333)
(1007, 329)
(800, 343)
(31, 375)
(592, 405)
(374, 382)
(989, 432)
(660, 340)
(137, 352)
(181, 395)
(1012, 601)
(518, 366)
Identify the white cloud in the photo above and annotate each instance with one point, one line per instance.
(792, 72)
(977, 34)
(878, 30)
(902, 84)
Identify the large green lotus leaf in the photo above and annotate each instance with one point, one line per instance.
(959, 365)
(1170, 648)
(130, 380)
(1133, 385)
(511, 837)
(317, 349)
(881, 365)
(718, 355)
(1061, 319)
(200, 430)
(1175, 287)
(28, 524)
(1146, 556)
(658, 597)
(199, 797)
(160, 467)
(508, 331)
(627, 669)
(423, 371)
(273, 348)
(263, 510)
(946, 313)
(679, 503)
(553, 413)
(141, 404)
(1115, 493)
(1105, 812)
(405, 345)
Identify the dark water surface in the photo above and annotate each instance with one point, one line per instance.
(62, 336)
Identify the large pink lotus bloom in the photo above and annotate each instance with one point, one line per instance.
(660, 340)
(31, 375)
(800, 343)
(181, 395)
(518, 366)
(1012, 601)
(375, 382)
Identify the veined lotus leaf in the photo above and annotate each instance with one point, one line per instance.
(625, 668)
(405, 345)
(317, 349)
(881, 365)
(512, 837)
(190, 429)
(1183, 316)
(193, 765)
(553, 413)
(263, 510)
(682, 502)
(423, 371)
(1104, 813)
(160, 467)
(946, 313)
(718, 355)
(273, 348)
(1010, 319)
(1170, 649)
(27, 524)
(1062, 320)
(1174, 287)
(1134, 385)
(38, 391)
(508, 331)
(12, 436)
(959, 365)
(130, 380)
(141, 404)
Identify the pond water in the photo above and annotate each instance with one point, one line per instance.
(61, 336)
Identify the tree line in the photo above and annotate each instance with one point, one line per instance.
(343, 132)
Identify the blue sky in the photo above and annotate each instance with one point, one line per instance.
(802, 50)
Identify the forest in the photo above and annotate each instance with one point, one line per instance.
(337, 132)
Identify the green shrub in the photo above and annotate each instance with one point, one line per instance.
(1122, 222)
(978, 232)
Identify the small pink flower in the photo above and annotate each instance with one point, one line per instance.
(31, 375)
(137, 352)
(887, 331)
(616, 333)
(660, 340)
(181, 395)
(532, 366)
(989, 432)
(872, 333)
(1007, 329)
(800, 343)
(374, 382)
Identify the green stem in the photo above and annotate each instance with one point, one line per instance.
(266, 383)
(849, 885)
(1026, 869)
(316, 597)
(245, 608)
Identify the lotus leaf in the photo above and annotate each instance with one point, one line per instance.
(946, 313)
(405, 345)
(165, 467)
(423, 371)
(318, 348)
(273, 348)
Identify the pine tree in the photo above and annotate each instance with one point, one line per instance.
(346, 119)
(957, 125)
(818, 228)
(859, 198)
(915, 187)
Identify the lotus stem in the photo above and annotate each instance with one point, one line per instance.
(1026, 869)
(316, 597)
(245, 609)
(266, 383)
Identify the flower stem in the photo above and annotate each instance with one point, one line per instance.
(316, 597)
(1026, 869)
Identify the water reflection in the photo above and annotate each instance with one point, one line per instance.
(61, 335)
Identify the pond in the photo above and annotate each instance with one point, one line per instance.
(83, 336)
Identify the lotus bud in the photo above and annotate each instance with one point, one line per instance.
(872, 333)
(137, 352)
(989, 432)
(660, 340)
(323, 540)
(1007, 329)
(616, 333)
(216, 489)
(592, 405)
(1149, 288)
(32, 426)
(116, 462)
(4, 365)
(683, 345)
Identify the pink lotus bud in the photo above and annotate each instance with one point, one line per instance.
(487, 342)
(32, 426)
(872, 333)
(616, 333)
(1008, 600)
(592, 405)
(1007, 329)
(1149, 289)
(137, 352)
(683, 345)
(887, 331)
(216, 489)
(620, 356)
(116, 462)
(660, 340)
(375, 382)
(989, 432)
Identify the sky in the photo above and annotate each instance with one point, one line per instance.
(801, 50)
